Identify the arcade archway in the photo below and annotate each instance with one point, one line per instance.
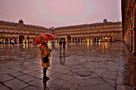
(68, 38)
(21, 38)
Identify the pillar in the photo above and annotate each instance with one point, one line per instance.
(134, 42)
(17, 40)
(111, 39)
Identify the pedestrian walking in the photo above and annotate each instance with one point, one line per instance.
(60, 44)
(45, 53)
(64, 44)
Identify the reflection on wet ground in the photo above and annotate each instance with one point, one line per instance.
(45, 85)
(62, 56)
(82, 66)
(130, 70)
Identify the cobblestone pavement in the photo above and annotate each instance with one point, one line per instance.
(101, 66)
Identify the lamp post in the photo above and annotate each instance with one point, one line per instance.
(52, 31)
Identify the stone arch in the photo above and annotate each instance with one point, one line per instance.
(21, 38)
(6, 40)
(68, 38)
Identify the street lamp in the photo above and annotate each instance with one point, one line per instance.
(52, 31)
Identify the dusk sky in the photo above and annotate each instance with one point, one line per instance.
(56, 13)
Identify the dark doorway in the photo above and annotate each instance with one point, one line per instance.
(21, 38)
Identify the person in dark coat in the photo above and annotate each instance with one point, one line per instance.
(64, 44)
(60, 43)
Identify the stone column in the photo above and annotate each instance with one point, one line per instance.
(17, 40)
(134, 42)
(110, 39)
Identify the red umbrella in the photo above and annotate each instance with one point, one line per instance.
(44, 37)
(48, 36)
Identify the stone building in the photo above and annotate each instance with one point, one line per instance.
(129, 24)
(11, 32)
(105, 31)
(20, 32)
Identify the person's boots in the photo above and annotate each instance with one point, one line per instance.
(45, 78)
(44, 74)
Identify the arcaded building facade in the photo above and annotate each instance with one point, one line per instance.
(105, 31)
(129, 24)
(19, 32)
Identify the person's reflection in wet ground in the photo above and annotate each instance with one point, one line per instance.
(45, 85)
(62, 57)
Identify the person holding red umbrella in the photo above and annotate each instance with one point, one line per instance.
(43, 39)
(45, 52)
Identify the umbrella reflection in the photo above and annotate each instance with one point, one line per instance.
(45, 85)
(62, 57)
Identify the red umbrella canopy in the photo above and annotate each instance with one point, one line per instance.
(48, 36)
(44, 37)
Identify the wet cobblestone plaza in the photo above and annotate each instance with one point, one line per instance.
(97, 66)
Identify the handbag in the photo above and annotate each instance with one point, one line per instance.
(45, 59)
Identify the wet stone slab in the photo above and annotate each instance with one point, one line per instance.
(4, 88)
(5, 77)
(26, 78)
(99, 87)
(79, 67)
(15, 84)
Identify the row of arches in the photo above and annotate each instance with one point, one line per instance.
(70, 39)
(85, 39)
(14, 40)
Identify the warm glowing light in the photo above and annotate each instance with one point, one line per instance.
(49, 44)
(88, 42)
(106, 37)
